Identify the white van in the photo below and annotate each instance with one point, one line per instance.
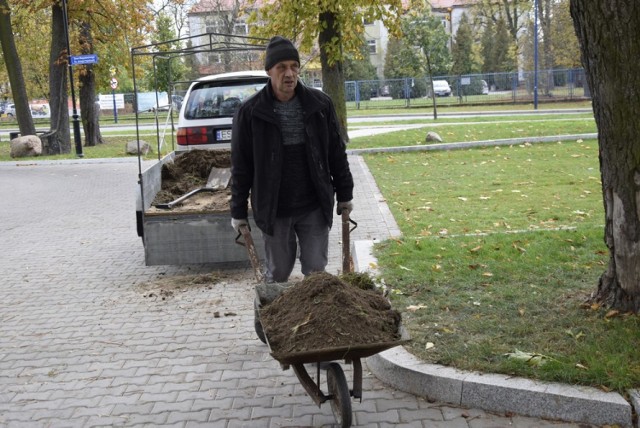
(209, 105)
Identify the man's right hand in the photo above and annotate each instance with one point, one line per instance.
(236, 223)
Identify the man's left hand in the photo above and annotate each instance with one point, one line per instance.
(344, 206)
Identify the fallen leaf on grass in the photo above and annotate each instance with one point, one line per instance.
(429, 345)
(612, 313)
(576, 336)
(487, 274)
(476, 249)
(580, 366)
(404, 268)
(413, 308)
(522, 250)
(531, 358)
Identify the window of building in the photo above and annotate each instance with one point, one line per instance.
(212, 25)
(240, 29)
(215, 58)
(372, 46)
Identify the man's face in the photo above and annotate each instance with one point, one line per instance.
(284, 78)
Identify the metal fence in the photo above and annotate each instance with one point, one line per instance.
(472, 89)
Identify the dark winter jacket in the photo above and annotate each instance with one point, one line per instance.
(256, 156)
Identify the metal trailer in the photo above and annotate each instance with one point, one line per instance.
(172, 237)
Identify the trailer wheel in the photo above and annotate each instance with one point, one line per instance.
(340, 395)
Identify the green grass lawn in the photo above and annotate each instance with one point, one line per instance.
(455, 131)
(500, 249)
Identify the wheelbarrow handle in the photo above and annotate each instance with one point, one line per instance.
(245, 232)
(346, 244)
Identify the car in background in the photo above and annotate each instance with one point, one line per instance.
(441, 88)
(8, 109)
(206, 115)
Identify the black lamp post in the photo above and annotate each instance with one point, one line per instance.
(76, 121)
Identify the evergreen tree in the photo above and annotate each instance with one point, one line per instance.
(487, 47)
(503, 58)
(169, 68)
(462, 50)
(357, 66)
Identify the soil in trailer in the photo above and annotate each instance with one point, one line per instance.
(190, 171)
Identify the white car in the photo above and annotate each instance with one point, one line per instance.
(209, 105)
(441, 88)
(10, 110)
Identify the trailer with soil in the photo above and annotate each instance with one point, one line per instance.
(184, 218)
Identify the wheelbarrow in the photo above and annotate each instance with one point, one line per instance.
(338, 392)
(268, 292)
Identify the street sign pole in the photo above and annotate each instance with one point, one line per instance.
(76, 122)
(114, 84)
(115, 110)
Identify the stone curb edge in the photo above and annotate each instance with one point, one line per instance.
(491, 392)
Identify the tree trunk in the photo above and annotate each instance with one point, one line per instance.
(608, 35)
(544, 13)
(89, 112)
(14, 70)
(332, 74)
(58, 60)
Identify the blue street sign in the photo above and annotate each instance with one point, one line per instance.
(84, 59)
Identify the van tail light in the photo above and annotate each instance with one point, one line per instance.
(192, 136)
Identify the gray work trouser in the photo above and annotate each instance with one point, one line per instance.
(312, 233)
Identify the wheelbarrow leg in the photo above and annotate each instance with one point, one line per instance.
(357, 379)
(309, 385)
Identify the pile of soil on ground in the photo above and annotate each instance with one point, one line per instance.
(322, 312)
(190, 171)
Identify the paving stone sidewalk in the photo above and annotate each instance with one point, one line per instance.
(84, 343)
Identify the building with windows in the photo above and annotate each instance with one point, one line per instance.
(377, 35)
(219, 28)
(210, 17)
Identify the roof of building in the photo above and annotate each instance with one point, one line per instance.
(208, 5)
(443, 4)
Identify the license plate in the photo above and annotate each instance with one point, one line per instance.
(223, 135)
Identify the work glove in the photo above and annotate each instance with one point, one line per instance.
(236, 223)
(344, 206)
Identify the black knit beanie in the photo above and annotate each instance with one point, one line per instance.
(280, 49)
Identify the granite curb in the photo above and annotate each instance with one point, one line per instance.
(492, 392)
(472, 144)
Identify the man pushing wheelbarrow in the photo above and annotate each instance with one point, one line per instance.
(287, 154)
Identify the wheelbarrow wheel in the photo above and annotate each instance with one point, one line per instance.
(340, 395)
(256, 321)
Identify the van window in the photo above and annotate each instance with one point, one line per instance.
(211, 100)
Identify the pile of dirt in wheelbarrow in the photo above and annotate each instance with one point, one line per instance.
(190, 171)
(323, 311)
